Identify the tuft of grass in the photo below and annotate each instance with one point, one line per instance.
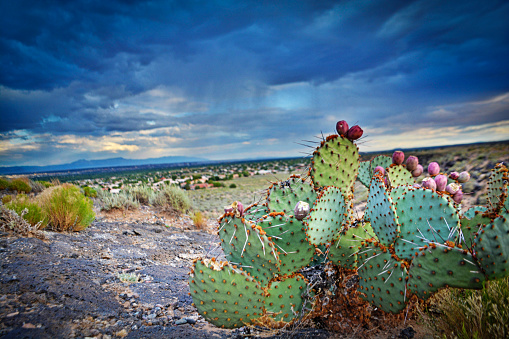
(66, 208)
(29, 210)
(6, 199)
(21, 185)
(4, 184)
(479, 314)
(171, 199)
(89, 192)
(119, 201)
(142, 193)
(199, 220)
(10, 221)
(128, 277)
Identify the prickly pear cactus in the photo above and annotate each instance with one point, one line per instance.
(284, 195)
(343, 251)
(283, 298)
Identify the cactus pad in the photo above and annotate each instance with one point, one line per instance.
(224, 295)
(382, 279)
(343, 251)
(289, 237)
(246, 245)
(364, 175)
(382, 161)
(255, 212)
(441, 266)
(497, 188)
(283, 298)
(325, 220)
(470, 224)
(492, 247)
(335, 163)
(424, 216)
(284, 195)
(399, 175)
(473, 211)
(380, 212)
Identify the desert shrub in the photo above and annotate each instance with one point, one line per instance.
(233, 186)
(142, 193)
(67, 208)
(33, 215)
(172, 199)
(120, 201)
(36, 186)
(46, 184)
(6, 199)
(4, 183)
(20, 185)
(10, 221)
(89, 192)
(475, 314)
(199, 220)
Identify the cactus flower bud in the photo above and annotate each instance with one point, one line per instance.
(228, 209)
(454, 175)
(240, 208)
(342, 127)
(458, 196)
(452, 188)
(354, 133)
(411, 163)
(464, 177)
(379, 169)
(433, 168)
(398, 157)
(417, 171)
(301, 210)
(441, 181)
(429, 183)
(236, 207)
(416, 185)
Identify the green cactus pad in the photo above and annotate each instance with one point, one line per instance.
(470, 224)
(497, 189)
(380, 160)
(343, 251)
(246, 245)
(289, 237)
(380, 212)
(364, 175)
(325, 219)
(284, 195)
(399, 175)
(255, 212)
(382, 279)
(424, 216)
(224, 295)
(441, 266)
(283, 298)
(473, 211)
(492, 247)
(335, 163)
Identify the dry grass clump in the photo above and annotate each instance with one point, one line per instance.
(10, 221)
(142, 193)
(199, 220)
(29, 210)
(171, 199)
(117, 201)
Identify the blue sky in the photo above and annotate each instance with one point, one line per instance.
(246, 79)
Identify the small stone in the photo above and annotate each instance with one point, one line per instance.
(121, 334)
(181, 321)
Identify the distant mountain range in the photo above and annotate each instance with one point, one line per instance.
(85, 164)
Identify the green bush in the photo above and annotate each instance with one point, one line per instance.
(233, 186)
(34, 215)
(142, 193)
(6, 199)
(46, 184)
(120, 201)
(89, 192)
(4, 183)
(66, 208)
(172, 199)
(20, 185)
(36, 186)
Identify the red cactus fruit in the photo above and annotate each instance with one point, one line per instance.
(301, 210)
(452, 188)
(411, 163)
(454, 175)
(429, 183)
(464, 177)
(458, 196)
(441, 181)
(417, 171)
(433, 168)
(379, 169)
(354, 133)
(342, 127)
(398, 157)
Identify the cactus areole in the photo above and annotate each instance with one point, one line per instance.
(413, 238)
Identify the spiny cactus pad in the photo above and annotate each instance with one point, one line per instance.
(382, 161)
(380, 212)
(473, 211)
(343, 250)
(399, 175)
(470, 227)
(284, 195)
(492, 247)
(246, 245)
(255, 212)
(424, 216)
(223, 295)
(283, 298)
(382, 279)
(325, 220)
(441, 266)
(335, 163)
(497, 188)
(364, 175)
(289, 237)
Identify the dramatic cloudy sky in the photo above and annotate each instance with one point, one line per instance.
(243, 79)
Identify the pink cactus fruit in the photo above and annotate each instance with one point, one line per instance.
(416, 185)
(441, 181)
(354, 133)
(417, 171)
(301, 210)
(411, 163)
(228, 209)
(452, 188)
(240, 208)
(433, 168)
(342, 127)
(398, 157)
(429, 183)
(379, 169)
(458, 196)
(454, 175)
(464, 177)
(386, 181)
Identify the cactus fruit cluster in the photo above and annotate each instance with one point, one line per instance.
(413, 239)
